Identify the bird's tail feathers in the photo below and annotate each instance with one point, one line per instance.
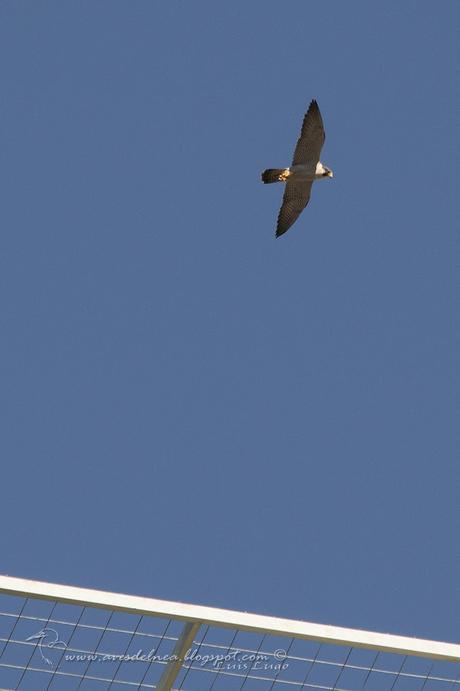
(275, 175)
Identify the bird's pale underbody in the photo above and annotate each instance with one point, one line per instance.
(305, 169)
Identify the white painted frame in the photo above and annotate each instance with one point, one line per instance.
(198, 614)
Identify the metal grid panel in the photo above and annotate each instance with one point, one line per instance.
(48, 644)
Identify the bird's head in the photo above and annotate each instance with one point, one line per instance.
(38, 636)
(328, 173)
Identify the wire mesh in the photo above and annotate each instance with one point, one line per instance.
(53, 646)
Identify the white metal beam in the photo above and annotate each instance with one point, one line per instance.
(334, 635)
(184, 642)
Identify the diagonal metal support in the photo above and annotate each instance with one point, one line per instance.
(184, 642)
(243, 621)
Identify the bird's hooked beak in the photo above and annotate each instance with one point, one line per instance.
(329, 173)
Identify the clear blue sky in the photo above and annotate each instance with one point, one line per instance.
(194, 410)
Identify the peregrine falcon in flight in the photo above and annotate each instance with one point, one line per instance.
(306, 168)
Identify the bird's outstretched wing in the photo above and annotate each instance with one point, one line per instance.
(311, 138)
(295, 199)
